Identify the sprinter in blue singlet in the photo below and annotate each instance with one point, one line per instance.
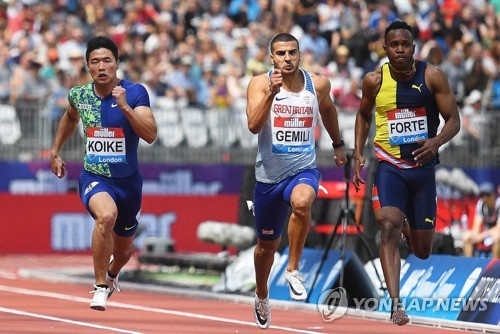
(115, 114)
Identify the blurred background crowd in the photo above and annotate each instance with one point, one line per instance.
(200, 54)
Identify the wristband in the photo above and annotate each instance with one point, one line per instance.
(339, 145)
(272, 91)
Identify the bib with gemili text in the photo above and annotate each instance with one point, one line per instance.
(105, 145)
(407, 126)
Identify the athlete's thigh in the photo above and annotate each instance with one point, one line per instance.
(270, 210)
(389, 188)
(97, 194)
(128, 200)
(423, 201)
(308, 177)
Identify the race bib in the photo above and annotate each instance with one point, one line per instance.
(407, 126)
(105, 145)
(293, 134)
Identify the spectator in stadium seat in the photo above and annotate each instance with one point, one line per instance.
(286, 171)
(5, 74)
(316, 43)
(404, 91)
(220, 97)
(485, 232)
(474, 121)
(453, 67)
(115, 114)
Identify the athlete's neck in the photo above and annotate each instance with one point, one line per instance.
(408, 73)
(103, 90)
(294, 83)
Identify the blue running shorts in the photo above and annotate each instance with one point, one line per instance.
(412, 190)
(126, 192)
(272, 201)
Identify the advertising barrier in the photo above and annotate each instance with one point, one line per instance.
(357, 281)
(159, 179)
(40, 224)
(487, 290)
(450, 287)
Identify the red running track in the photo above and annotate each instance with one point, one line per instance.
(40, 306)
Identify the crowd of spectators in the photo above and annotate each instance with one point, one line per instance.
(204, 52)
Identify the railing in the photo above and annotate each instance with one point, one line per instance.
(192, 135)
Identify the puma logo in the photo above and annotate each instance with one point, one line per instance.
(417, 87)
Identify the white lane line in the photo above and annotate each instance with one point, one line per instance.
(8, 275)
(79, 323)
(144, 308)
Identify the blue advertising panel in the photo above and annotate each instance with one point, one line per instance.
(440, 286)
(159, 179)
(309, 265)
(488, 291)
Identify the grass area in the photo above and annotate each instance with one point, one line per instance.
(196, 278)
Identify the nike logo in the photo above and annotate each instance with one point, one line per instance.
(259, 317)
(113, 105)
(295, 291)
(304, 178)
(282, 98)
(417, 87)
(428, 220)
(128, 228)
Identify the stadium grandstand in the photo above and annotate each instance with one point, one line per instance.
(196, 57)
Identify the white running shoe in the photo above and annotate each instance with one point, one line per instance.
(100, 298)
(297, 285)
(262, 312)
(112, 282)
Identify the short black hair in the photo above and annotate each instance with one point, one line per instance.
(398, 24)
(101, 42)
(283, 37)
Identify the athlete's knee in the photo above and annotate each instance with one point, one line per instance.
(106, 218)
(266, 247)
(105, 222)
(301, 208)
(389, 230)
(422, 254)
(390, 218)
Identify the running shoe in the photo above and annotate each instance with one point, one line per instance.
(297, 285)
(100, 298)
(262, 312)
(112, 282)
(399, 316)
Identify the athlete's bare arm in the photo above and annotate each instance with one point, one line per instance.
(140, 118)
(329, 115)
(327, 108)
(67, 126)
(259, 99)
(437, 82)
(370, 87)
